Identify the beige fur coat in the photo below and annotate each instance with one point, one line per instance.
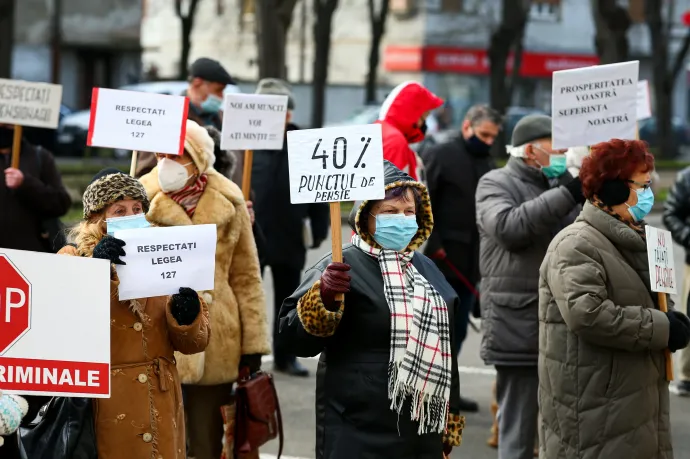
(236, 305)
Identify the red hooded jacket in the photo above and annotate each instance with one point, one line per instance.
(399, 115)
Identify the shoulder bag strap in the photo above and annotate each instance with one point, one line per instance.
(280, 419)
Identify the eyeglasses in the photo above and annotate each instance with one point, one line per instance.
(644, 186)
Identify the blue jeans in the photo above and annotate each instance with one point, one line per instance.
(462, 318)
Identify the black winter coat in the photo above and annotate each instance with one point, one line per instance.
(281, 222)
(353, 415)
(452, 174)
(41, 196)
(677, 211)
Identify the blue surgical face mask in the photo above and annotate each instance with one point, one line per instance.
(645, 202)
(137, 221)
(395, 231)
(212, 104)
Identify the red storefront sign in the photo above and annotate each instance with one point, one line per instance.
(476, 61)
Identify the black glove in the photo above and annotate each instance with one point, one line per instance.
(251, 361)
(574, 187)
(185, 306)
(110, 248)
(679, 330)
(316, 244)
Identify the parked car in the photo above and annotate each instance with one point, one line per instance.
(74, 128)
(681, 134)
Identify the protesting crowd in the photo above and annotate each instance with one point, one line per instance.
(550, 251)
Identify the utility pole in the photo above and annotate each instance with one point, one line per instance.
(56, 40)
(303, 42)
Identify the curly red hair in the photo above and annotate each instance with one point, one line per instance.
(611, 160)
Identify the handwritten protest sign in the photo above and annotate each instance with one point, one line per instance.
(336, 164)
(662, 272)
(594, 104)
(254, 122)
(26, 103)
(161, 260)
(644, 107)
(49, 350)
(141, 121)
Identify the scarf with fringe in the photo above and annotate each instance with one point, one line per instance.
(188, 197)
(419, 368)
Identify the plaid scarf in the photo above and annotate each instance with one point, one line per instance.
(420, 356)
(596, 202)
(188, 197)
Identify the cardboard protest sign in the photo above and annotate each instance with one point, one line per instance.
(254, 122)
(336, 164)
(54, 337)
(26, 103)
(644, 106)
(161, 260)
(662, 268)
(594, 104)
(140, 121)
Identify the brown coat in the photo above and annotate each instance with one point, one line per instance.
(144, 417)
(237, 305)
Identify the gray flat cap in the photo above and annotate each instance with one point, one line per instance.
(531, 128)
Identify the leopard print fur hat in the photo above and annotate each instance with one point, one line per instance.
(109, 186)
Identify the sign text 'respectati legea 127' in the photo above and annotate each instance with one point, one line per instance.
(336, 164)
(594, 104)
(139, 121)
(254, 122)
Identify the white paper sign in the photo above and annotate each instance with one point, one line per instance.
(161, 260)
(644, 107)
(594, 104)
(253, 122)
(134, 120)
(26, 103)
(336, 164)
(662, 267)
(54, 325)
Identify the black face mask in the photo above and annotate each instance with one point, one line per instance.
(6, 138)
(477, 146)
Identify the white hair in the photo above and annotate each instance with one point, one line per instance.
(516, 152)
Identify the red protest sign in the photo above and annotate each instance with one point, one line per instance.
(15, 304)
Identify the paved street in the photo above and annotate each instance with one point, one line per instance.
(297, 395)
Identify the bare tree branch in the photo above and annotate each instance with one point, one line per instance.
(679, 62)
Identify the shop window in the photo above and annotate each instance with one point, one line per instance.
(545, 10)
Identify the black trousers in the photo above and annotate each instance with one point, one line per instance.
(286, 279)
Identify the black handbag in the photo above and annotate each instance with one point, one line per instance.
(64, 429)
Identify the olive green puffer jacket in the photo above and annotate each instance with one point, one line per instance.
(602, 387)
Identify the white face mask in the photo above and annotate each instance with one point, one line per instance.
(172, 176)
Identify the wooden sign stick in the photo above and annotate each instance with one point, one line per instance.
(133, 165)
(663, 307)
(336, 240)
(247, 174)
(16, 146)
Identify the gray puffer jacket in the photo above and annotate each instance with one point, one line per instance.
(602, 386)
(518, 214)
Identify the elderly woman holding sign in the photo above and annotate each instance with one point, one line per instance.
(387, 384)
(602, 337)
(144, 416)
(186, 190)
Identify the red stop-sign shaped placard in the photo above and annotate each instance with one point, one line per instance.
(15, 304)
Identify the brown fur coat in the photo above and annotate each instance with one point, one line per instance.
(237, 306)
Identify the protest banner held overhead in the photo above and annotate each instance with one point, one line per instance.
(161, 260)
(594, 104)
(644, 105)
(26, 103)
(49, 350)
(254, 122)
(336, 164)
(138, 121)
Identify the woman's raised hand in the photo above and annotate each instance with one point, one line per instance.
(334, 280)
(110, 248)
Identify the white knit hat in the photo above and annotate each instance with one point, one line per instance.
(199, 144)
(13, 408)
